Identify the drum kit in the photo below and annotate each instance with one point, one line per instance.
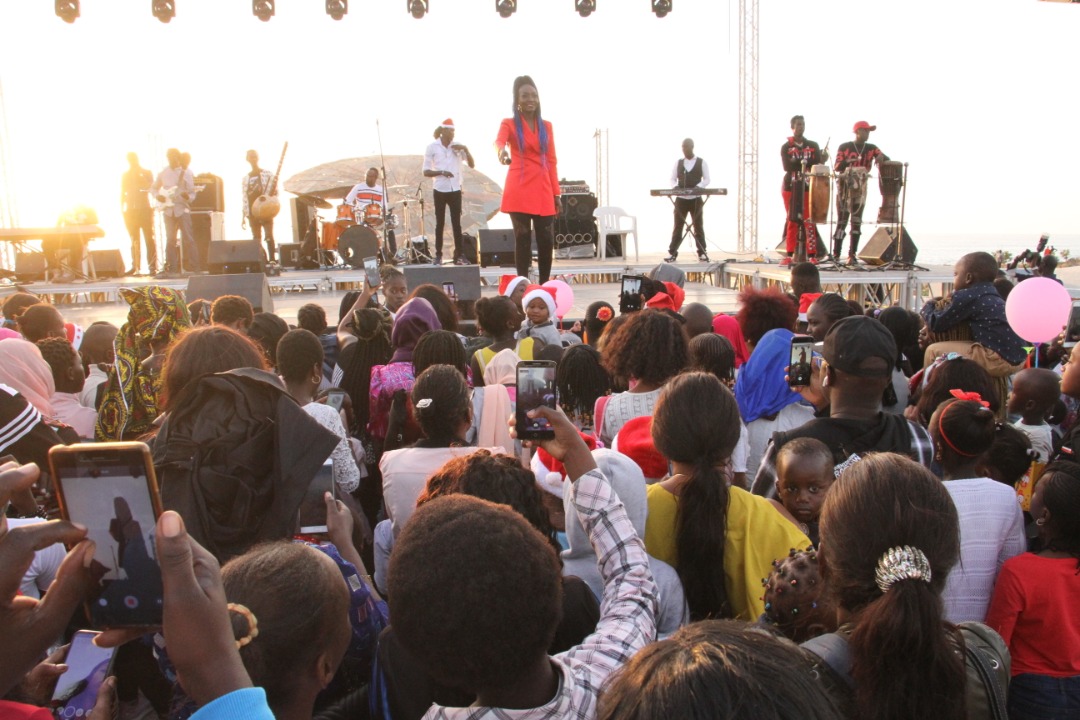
(355, 233)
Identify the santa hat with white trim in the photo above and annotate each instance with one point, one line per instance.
(74, 334)
(507, 284)
(551, 473)
(538, 291)
(447, 124)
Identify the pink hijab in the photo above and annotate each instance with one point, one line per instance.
(23, 369)
(728, 326)
(500, 371)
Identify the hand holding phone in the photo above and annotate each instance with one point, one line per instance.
(630, 293)
(78, 689)
(371, 270)
(802, 355)
(311, 517)
(535, 388)
(335, 399)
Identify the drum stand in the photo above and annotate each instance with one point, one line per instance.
(898, 236)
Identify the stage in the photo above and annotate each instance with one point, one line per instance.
(715, 284)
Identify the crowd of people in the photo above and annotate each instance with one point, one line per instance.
(897, 537)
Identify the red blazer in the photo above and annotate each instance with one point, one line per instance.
(532, 181)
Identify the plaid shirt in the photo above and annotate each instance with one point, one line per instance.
(627, 621)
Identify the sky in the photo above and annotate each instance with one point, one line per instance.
(978, 98)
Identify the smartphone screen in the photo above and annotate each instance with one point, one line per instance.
(448, 288)
(371, 268)
(1072, 330)
(111, 489)
(630, 295)
(802, 354)
(335, 398)
(88, 666)
(312, 511)
(535, 387)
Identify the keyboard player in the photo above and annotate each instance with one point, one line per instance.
(690, 171)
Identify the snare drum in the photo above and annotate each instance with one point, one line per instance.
(345, 215)
(373, 215)
(820, 193)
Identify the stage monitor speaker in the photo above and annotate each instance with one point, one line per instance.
(882, 248)
(212, 196)
(235, 256)
(202, 227)
(497, 248)
(108, 263)
(302, 213)
(466, 278)
(253, 287)
(577, 206)
(289, 255)
(30, 266)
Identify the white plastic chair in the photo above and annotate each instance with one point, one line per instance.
(609, 221)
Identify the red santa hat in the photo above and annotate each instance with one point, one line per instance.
(74, 334)
(805, 301)
(537, 291)
(507, 284)
(448, 124)
(635, 441)
(671, 299)
(551, 473)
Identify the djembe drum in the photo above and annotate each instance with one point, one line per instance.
(890, 180)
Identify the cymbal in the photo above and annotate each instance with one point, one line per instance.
(314, 201)
(398, 187)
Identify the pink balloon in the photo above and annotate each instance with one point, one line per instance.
(564, 297)
(1038, 309)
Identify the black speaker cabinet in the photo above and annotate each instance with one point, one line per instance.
(578, 206)
(235, 256)
(212, 196)
(30, 266)
(289, 255)
(882, 247)
(252, 286)
(201, 228)
(108, 263)
(497, 248)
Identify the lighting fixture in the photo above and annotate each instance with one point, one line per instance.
(506, 8)
(164, 10)
(337, 8)
(418, 8)
(67, 10)
(263, 9)
(585, 8)
(661, 7)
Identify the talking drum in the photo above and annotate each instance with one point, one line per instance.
(851, 188)
(820, 193)
(345, 215)
(890, 179)
(373, 215)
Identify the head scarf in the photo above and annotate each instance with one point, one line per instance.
(23, 369)
(129, 405)
(728, 326)
(760, 388)
(415, 318)
(499, 372)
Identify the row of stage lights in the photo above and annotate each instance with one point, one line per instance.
(165, 10)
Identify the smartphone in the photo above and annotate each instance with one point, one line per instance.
(802, 354)
(335, 398)
(371, 268)
(312, 512)
(535, 388)
(112, 490)
(448, 288)
(630, 295)
(1072, 330)
(88, 666)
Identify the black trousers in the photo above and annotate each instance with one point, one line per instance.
(695, 208)
(142, 221)
(257, 227)
(444, 200)
(524, 227)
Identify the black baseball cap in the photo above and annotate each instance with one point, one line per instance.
(854, 343)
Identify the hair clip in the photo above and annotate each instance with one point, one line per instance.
(901, 563)
(972, 396)
(423, 404)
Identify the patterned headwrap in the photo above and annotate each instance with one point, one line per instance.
(130, 404)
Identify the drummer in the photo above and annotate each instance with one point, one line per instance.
(858, 153)
(368, 193)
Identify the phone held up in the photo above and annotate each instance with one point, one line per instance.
(371, 269)
(535, 388)
(312, 512)
(335, 399)
(630, 295)
(111, 489)
(802, 354)
(1072, 330)
(88, 666)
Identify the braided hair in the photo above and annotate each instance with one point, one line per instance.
(373, 348)
(519, 125)
(581, 379)
(1060, 486)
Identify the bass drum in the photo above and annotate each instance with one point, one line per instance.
(357, 243)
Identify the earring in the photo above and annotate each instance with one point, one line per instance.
(1040, 522)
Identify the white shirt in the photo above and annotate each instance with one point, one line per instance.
(94, 378)
(405, 473)
(346, 473)
(688, 165)
(1042, 439)
(440, 157)
(363, 195)
(68, 410)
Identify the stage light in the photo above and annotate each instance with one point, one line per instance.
(164, 10)
(585, 7)
(263, 9)
(67, 10)
(506, 8)
(337, 8)
(661, 7)
(418, 8)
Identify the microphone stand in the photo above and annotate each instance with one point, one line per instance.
(423, 229)
(385, 256)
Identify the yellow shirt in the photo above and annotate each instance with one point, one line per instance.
(756, 535)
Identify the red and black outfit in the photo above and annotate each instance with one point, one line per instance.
(852, 154)
(796, 156)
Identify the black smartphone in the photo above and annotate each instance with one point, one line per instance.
(335, 398)
(312, 513)
(630, 295)
(448, 288)
(371, 268)
(88, 666)
(535, 388)
(112, 490)
(1072, 330)
(802, 354)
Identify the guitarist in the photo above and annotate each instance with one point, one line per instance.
(259, 182)
(174, 189)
